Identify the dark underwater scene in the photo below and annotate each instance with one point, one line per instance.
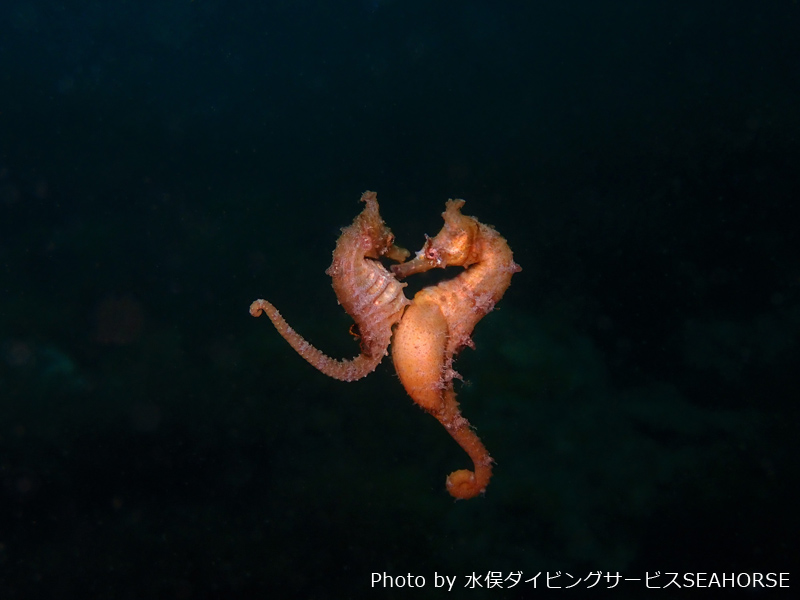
(165, 163)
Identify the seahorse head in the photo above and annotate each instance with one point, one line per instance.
(455, 244)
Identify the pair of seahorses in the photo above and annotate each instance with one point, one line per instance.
(425, 332)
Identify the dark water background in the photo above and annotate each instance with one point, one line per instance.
(164, 163)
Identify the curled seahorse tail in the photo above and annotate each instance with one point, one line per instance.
(464, 484)
(343, 370)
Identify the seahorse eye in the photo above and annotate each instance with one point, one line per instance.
(432, 253)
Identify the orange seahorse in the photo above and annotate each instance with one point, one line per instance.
(367, 291)
(439, 323)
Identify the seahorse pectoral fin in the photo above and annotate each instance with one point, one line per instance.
(418, 351)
